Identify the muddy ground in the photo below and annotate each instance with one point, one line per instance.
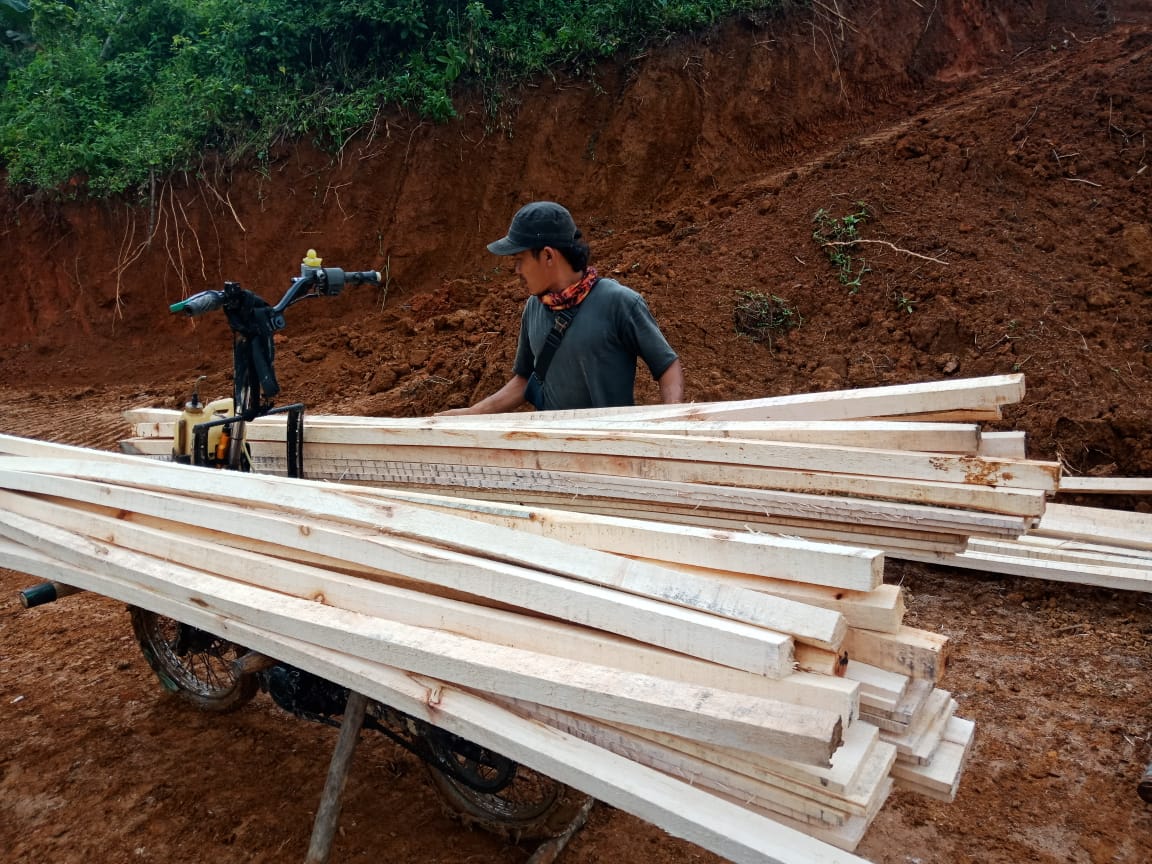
(997, 153)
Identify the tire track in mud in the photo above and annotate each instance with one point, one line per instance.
(63, 421)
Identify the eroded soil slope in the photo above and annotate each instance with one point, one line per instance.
(997, 154)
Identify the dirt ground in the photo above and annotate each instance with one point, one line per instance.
(998, 153)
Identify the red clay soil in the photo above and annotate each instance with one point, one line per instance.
(1000, 153)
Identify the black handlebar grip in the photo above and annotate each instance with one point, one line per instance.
(363, 277)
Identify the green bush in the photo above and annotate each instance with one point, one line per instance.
(115, 91)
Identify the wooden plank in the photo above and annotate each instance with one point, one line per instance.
(1101, 576)
(1005, 445)
(736, 720)
(879, 434)
(1096, 525)
(501, 469)
(1107, 485)
(743, 506)
(879, 609)
(821, 662)
(732, 643)
(723, 827)
(877, 683)
(965, 394)
(746, 552)
(820, 627)
(842, 779)
(910, 651)
(940, 777)
(758, 464)
(172, 541)
(900, 434)
(780, 796)
(582, 448)
(1050, 550)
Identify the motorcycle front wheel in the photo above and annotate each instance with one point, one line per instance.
(195, 665)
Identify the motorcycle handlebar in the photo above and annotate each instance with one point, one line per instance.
(328, 281)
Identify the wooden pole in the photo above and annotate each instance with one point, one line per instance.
(323, 829)
(549, 851)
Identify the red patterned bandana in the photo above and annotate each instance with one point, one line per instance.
(573, 295)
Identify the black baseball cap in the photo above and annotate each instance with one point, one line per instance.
(536, 225)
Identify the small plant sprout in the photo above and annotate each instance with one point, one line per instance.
(837, 236)
(764, 317)
(903, 302)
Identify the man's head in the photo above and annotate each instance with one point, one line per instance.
(548, 249)
(536, 225)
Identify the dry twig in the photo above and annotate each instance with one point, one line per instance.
(892, 246)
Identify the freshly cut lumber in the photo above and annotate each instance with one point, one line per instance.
(723, 827)
(741, 721)
(1102, 576)
(879, 609)
(730, 642)
(970, 486)
(919, 741)
(809, 659)
(1096, 525)
(1005, 445)
(801, 800)
(899, 718)
(823, 628)
(1107, 485)
(583, 449)
(881, 687)
(940, 777)
(745, 551)
(910, 651)
(739, 509)
(173, 541)
(762, 556)
(934, 397)
(159, 423)
(1051, 549)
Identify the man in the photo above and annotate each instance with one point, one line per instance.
(593, 364)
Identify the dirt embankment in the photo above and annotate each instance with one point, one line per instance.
(998, 152)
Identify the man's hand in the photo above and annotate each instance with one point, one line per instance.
(507, 398)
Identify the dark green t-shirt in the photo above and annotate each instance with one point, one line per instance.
(595, 365)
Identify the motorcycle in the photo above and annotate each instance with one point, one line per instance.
(478, 786)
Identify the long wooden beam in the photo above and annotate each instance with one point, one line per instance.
(819, 627)
(736, 720)
(1101, 576)
(716, 824)
(963, 438)
(381, 443)
(929, 397)
(710, 637)
(200, 550)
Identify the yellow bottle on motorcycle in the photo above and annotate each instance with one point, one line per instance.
(194, 413)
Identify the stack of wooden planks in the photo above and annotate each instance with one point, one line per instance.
(1083, 545)
(875, 467)
(693, 676)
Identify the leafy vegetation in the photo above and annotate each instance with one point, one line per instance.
(106, 93)
(764, 317)
(837, 236)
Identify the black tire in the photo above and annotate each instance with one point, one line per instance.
(531, 807)
(191, 663)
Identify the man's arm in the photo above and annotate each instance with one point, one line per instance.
(507, 398)
(672, 384)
